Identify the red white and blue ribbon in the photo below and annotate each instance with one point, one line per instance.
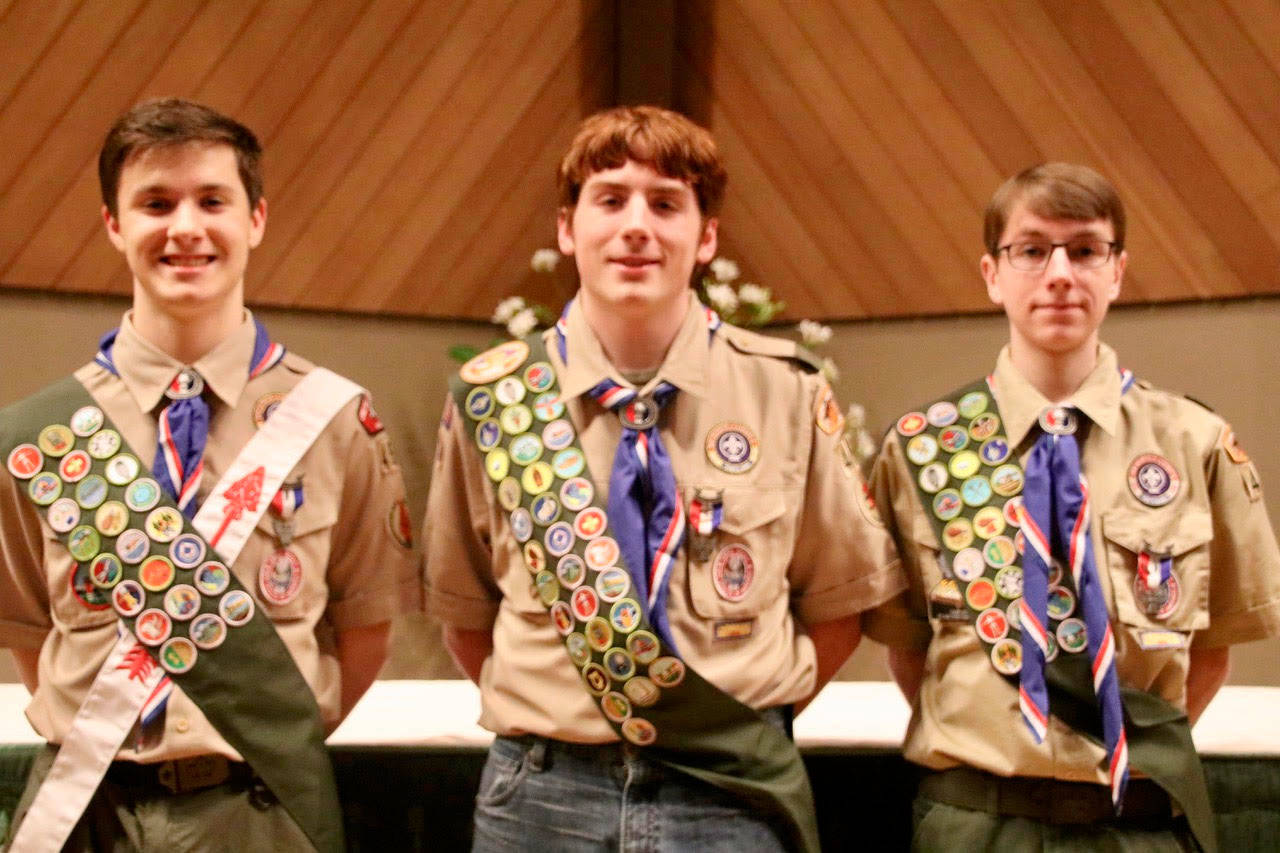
(705, 515)
(287, 501)
(1154, 569)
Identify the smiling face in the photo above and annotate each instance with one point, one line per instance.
(1056, 311)
(636, 237)
(185, 227)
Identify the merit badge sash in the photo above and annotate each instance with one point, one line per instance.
(510, 397)
(970, 484)
(170, 582)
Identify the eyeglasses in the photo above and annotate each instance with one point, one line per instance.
(1034, 255)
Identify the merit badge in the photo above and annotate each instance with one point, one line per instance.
(562, 618)
(152, 627)
(1160, 601)
(570, 571)
(826, 412)
(733, 571)
(590, 523)
(545, 509)
(516, 419)
(557, 435)
(1007, 480)
(497, 463)
(525, 448)
(1153, 480)
(85, 592)
(74, 466)
(584, 603)
(128, 598)
(559, 539)
(733, 448)
(964, 464)
(957, 534)
(598, 633)
(667, 671)
(45, 488)
(984, 426)
(122, 469)
(967, 564)
(619, 663)
(280, 577)
(624, 616)
(947, 504)
(509, 494)
(1058, 420)
(992, 624)
(922, 449)
(87, 420)
(988, 522)
(479, 403)
(576, 645)
(972, 404)
(932, 477)
(63, 514)
(568, 463)
(980, 594)
(187, 384)
(84, 542)
(641, 691)
(212, 578)
(141, 495)
(942, 414)
(509, 391)
(547, 406)
(132, 545)
(265, 406)
(615, 706)
(368, 417)
(539, 376)
(92, 491)
(494, 363)
(912, 423)
(104, 444)
(577, 493)
(612, 584)
(236, 607)
(601, 553)
(488, 434)
(946, 602)
(1006, 656)
(548, 590)
(177, 655)
(1232, 446)
(534, 557)
(1072, 636)
(994, 450)
(24, 461)
(976, 490)
(639, 731)
(56, 440)
(207, 631)
(953, 439)
(537, 478)
(596, 678)
(182, 602)
(643, 646)
(1061, 602)
(999, 552)
(106, 571)
(156, 573)
(1009, 582)
(164, 523)
(1013, 513)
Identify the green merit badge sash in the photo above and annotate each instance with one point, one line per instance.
(970, 484)
(510, 396)
(136, 552)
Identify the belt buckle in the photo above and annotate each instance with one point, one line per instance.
(184, 775)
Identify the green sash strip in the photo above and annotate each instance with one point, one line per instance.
(1158, 734)
(249, 687)
(650, 697)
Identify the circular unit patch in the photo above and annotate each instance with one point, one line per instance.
(1153, 480)
(733, 448)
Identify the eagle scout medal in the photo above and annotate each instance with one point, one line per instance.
(1153, 480)
(1160, 601)
(178, 655)
(733, 571)
(86, 421)
(280, 576)
(733, 448)
(207, 631)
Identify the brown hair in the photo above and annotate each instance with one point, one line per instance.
(666, 141)
(174, 121)
(1054, 191)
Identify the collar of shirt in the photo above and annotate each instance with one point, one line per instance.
(146, 370)
(1098, 397)
(685, 365)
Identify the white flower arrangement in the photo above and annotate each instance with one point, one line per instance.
(524, 322)
(544, 260)
(722, 297)
(724, 270)
(813, 334)
(506, 309)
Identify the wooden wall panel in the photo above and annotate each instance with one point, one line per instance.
(411, 144)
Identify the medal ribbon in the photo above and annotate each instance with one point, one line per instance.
(1154, 579)
(1056, 501)
(705, 515)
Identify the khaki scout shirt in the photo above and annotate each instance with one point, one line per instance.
(801, 512)
(1224, 558)
(354, 571)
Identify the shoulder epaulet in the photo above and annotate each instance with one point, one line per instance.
(753, 343)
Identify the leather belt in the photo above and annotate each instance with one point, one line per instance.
(180, 776)
(1051, 801)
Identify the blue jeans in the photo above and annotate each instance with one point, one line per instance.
(540, 794)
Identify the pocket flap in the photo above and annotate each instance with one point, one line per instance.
(1143, 530)
(741, 516)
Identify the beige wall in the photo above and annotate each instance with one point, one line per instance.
(1221, 353)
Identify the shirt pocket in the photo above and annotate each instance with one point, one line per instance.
(1185, 537)
(75, 601)
(290, 581)
(747, 568)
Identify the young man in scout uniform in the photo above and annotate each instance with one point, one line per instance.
(1081, 549)
(255, 561)
(662, 496)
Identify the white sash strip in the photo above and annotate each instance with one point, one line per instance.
(114, 700)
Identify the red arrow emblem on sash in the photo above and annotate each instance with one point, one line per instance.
(137, 662)
(241, 495)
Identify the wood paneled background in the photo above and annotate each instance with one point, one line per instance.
(411, 144)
